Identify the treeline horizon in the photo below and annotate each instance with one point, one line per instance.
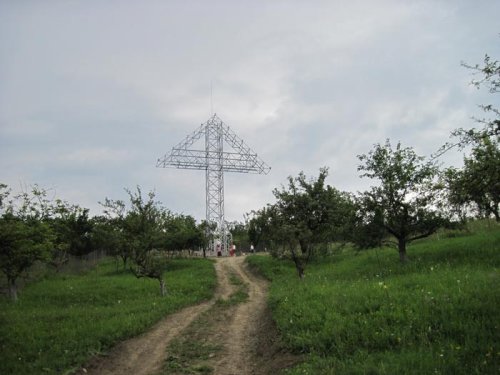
(411, 199)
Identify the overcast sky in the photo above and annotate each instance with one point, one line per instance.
(92, 93)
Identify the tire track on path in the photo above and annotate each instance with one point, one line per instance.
(244, 332)
(145, 354)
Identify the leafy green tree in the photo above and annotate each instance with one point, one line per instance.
(110, 231)
(73, 232)
(182, 233)
(366, 227)
(79, 228)
(4, 194)
(478, 182)
(24, 237)
(135, 233)
(205, 230)
(144, 229)
(489, 77)
(259, 232)
(455, 194)
(307, 213)
(404, 204)
(22, 243)
(239, 233)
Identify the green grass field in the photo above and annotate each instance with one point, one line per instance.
(364, 313)
(61, 321)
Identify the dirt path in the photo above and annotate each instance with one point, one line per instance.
(143, 355)
(241, 334)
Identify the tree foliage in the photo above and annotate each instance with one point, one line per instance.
(239, 233)
(259, 228)
(24, 236)
(110, 231)
(73, 231)
(140, 228)
(478, 183)
(182, 233)
(404, 204)
(307, 213)
(366, 228)
(488, 74)
(474, 189)
(206, 231)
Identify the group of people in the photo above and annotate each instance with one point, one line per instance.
(232, 250)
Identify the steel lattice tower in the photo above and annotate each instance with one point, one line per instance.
(215, 161)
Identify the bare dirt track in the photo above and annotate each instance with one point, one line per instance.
(240, 334)
(244, 334)
(144, 354)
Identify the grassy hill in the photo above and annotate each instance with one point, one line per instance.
(364, 313)
(61, 321)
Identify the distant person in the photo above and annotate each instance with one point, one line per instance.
(252, 249)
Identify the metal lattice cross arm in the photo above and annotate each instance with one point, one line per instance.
(242, 159)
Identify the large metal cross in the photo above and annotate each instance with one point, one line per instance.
(215, 161)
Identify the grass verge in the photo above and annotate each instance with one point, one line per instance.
(60, 322)
(364, 313)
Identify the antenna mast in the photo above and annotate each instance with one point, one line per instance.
(211, 100)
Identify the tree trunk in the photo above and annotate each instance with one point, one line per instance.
(204, 253)
(124, 260)
(163, 288)
(13, 290)
(402, 250)
(304, 247)
(299, 266)
(300, 271)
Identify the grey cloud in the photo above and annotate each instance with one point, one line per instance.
(93, 93)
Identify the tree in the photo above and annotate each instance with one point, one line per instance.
(206, 230)
(136, 232)
(489, 72)
(239, 233)
(259, 232)
(366, 227)
(479, 181)
(489, 76)
(404, 204)
(77, 233)
(73, 232)
(182, 233)
(4, 194)
(307, 213)
(145, 231)
(22, 243)
(110, 231)
(24, 237)
(455, 195)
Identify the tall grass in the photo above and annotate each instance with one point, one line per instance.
(364, 313)
(61, 321)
